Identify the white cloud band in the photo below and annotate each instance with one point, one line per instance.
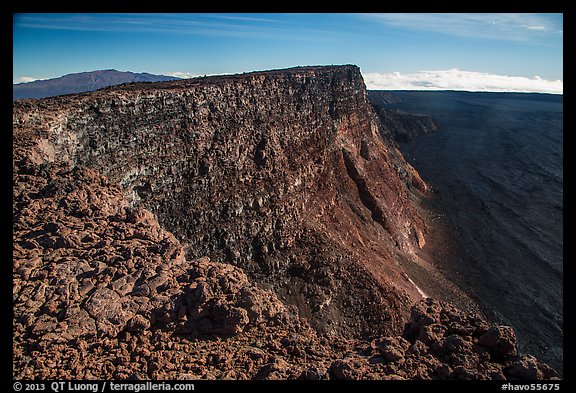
(452, 79)
(183, 75)
(26, 79)
(455, 79)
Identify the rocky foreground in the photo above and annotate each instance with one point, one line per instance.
(102, 292)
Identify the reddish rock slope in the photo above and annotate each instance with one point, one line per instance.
(284, 181)
(102, 292)
(283, 173)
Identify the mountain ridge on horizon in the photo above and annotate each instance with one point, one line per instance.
(82, 82)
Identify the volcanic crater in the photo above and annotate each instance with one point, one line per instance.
(253, 226)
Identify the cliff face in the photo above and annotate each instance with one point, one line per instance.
(101, 291)
(405, 126)
(402, 126)
(282, 173)
(285, 181)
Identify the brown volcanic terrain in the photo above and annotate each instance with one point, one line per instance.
(403, 126)
(283, 174)
(287, 179)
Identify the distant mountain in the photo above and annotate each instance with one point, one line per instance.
(81, 82)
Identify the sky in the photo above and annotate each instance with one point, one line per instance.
(475, 52)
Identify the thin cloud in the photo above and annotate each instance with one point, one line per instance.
(538, 27)
(511, 27)
(455, 79)
(244, 18)
(215, 25)
(188, 75)
(142, 23)
(182, 75)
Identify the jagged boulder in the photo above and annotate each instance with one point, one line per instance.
(221, 300)
(350, 368)
(528, 367)
(500, 342)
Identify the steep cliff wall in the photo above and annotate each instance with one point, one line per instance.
(402, 126)
(286, 174)
(405, 126)
(101, 291)
(283, 173)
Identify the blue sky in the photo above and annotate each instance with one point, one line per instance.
(472, 51)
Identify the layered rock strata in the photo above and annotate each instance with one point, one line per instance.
(402, 126)
(102, 292)
(405, 126)
(282, 173)
(285, 181)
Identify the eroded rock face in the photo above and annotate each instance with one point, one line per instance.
(283, 173)
(102, 292)
(405, 126)
(90, 269)
(81, 257)
(401, 126)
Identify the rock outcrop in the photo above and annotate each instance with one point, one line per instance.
(282, 173)
(401, 126)
(405, 126)
(382, 98)
(285, 182)
(102, 292)
(442, 342)
(89, 269)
